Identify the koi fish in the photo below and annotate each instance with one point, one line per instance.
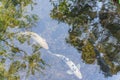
(73, 68)
(41, 41)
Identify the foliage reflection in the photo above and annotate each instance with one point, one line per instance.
(15, 62)
(92, 32)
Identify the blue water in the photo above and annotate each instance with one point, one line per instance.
(55, 34)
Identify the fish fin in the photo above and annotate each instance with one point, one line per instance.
(78, 66)
(69, 72)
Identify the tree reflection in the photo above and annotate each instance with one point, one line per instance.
(95, 34)
(15, 62)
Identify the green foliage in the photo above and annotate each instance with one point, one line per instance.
(73, 15)
(91, 38)
(12, 17)
(11, 14)
(88, 53)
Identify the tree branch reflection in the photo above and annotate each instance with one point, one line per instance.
(94, 33)
(14, 61)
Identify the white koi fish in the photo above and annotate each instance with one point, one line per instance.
(73, 68)
(41, 41)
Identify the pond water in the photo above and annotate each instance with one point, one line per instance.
(55, 34)
(96, 50)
